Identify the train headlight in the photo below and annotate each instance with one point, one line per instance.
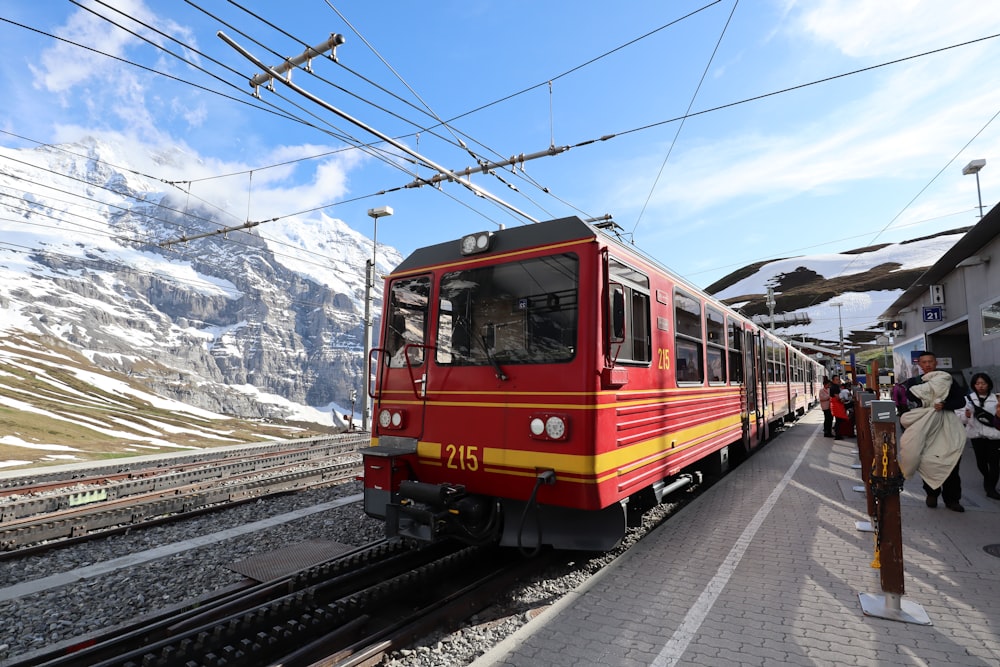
(555, 427)
(548, 427)
(478, 242)
(392, 418)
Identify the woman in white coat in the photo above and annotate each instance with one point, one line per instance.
(981, 420)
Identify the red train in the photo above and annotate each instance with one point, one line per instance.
(548, 384)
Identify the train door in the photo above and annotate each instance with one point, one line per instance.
(756, 383)
(402, 376)
(738, 377)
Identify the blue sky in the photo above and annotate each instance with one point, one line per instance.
(869, 157)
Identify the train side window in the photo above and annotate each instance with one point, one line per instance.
(639, 335)
(735, 353)
(780, 360)
(629, 314)
(407, 321)
(775, 357)
(715, 352)
(688, 338)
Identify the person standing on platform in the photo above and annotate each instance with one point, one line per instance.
(933, 435)
(824, 405)
(842, 420)
(982, 415)
(847, 398)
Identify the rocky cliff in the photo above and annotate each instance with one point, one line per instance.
(219, 322)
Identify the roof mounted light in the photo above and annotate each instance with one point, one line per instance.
(476, 243)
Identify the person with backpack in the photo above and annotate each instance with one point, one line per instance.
(981, 417)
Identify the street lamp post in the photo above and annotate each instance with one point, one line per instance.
(770, 305)
(841, 320)
(883, 340)
(370, 274)
(973, 168)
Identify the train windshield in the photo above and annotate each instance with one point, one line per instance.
(407, 326)
(516, 313)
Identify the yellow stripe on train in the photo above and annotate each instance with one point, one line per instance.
(595, 468)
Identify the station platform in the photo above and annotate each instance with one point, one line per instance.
(769, 567)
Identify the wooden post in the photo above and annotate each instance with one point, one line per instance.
(886, 482)
(863, 426)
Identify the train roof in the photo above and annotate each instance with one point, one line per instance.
(527, 236)
(559, 230)
(513, 238)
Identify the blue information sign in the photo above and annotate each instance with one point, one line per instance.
(933, 314)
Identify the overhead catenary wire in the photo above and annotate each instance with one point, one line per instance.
(680, 125)
(606, 137)
(158, 205)
(187, 214)
(346, 137)
(329, 107)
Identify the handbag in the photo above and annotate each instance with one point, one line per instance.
(982, 416)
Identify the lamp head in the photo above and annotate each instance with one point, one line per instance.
(973, 167)
(380, 212)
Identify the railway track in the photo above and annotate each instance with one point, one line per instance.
(346, 611)
(302, 615)
(44, 507)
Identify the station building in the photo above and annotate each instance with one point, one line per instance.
(953, 309)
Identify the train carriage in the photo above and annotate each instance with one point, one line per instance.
(547, 384)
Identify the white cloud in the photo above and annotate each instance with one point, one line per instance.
(109, 87)
(905, 121)
(860, 28)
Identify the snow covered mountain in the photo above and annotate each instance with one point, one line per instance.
(255, 325)
(833, 293)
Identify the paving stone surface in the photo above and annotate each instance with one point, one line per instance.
(767, 568)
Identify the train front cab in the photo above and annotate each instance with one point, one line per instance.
(485, 401)
(549, 389)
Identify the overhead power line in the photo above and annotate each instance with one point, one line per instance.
(389, 140)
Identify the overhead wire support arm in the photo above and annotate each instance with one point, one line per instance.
(225, 230)
(306, 57)
(274, 75)
(487, 167)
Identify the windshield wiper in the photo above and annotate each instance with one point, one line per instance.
(496, 364)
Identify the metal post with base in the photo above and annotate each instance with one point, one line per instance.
(886, 481)
(863, 428)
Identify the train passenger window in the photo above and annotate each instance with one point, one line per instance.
(775, 357)
(688, 338)
(735, 353)
(635, 345)
(407, 321)
(715, 351)
(514, 313)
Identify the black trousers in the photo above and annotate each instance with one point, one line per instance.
(951, 490)
(988, 461)
(828, 422)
